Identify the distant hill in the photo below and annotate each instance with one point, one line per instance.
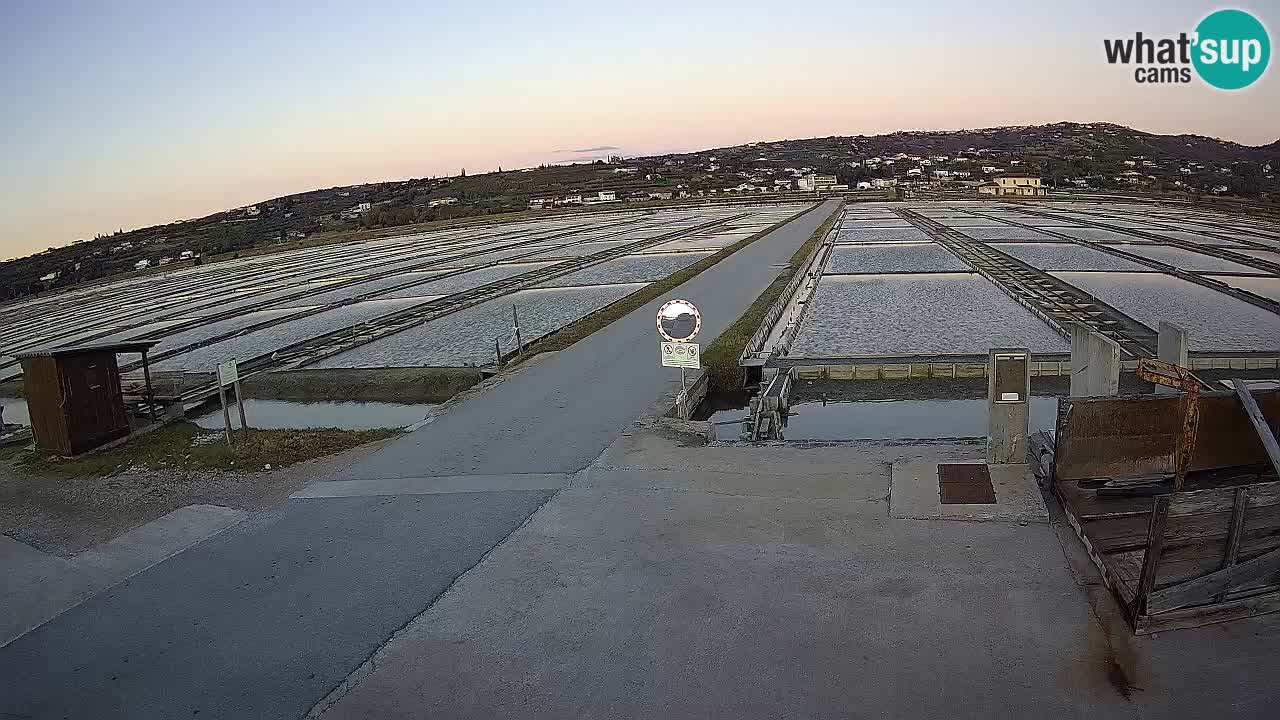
(1095, 155)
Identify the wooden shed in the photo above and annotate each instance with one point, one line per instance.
(74, 396)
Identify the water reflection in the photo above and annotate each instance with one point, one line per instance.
(887, 419)
(276, 414)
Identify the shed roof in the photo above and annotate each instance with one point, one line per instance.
(131, 346)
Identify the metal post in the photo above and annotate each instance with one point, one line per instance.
(497, 353)
(244, 424)
(516, 319)
(226, 416)
(151, 396)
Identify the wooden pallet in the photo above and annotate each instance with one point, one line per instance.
(1179, 559)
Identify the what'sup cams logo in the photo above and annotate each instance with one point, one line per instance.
(1229, 50)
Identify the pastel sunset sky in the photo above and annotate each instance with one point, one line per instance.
(122, 114)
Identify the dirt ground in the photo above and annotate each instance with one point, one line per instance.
(65, 508)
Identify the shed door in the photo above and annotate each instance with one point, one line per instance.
(94, 408)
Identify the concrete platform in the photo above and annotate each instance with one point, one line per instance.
(39, 586)
(680, 581)
(913, 493)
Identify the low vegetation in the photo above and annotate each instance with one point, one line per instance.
(585, 326)
(186, 447)
(720, 359)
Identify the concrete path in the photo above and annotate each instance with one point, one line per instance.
(39, 586)
(267, 618)
(558, 415)
(723, 582)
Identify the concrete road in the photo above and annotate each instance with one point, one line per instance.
(771, 582)
(558, 415)
(265, 619)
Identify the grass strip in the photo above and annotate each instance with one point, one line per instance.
(721, 357)
(588, 324)
(185, 446)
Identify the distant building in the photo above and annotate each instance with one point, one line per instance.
(817, 183)
(539, 203)
(363, 207)
(166, 260)
(575, 199)
(142, 265)
(186, 255)
(1014, 185)
(662, 194)
(438, 202)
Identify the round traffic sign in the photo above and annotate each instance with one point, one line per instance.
(679, 320)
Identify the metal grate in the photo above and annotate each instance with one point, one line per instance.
(965, 484)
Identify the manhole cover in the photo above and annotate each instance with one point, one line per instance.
(965, 484)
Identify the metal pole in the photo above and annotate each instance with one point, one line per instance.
(497, 353)
(151, 396)
(226, 416)
(244, 424)
(516, 319)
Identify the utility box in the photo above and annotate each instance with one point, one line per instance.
(1008, 405)
(74, 396)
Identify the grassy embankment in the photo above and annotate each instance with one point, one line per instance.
(720, 359)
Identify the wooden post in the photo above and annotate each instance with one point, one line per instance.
(1259, 422)
(244, 424)
(515, 318)
(1233, 539)
(1151, 558)
(226, 416)
(497, 353)
(146, 376)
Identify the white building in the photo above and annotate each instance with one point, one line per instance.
(438, 202)
(142, 265)
(816, 183)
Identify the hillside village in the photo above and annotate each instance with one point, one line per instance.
(1064, 157)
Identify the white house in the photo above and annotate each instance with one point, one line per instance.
(438, 202)
(186, 255)
(142, 265)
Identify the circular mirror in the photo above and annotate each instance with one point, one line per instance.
(679, 320)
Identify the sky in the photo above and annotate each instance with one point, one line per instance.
(125, 114)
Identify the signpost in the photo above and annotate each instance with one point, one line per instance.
(679, 322)
(229, 375)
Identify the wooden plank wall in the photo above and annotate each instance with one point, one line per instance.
(43, 388)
